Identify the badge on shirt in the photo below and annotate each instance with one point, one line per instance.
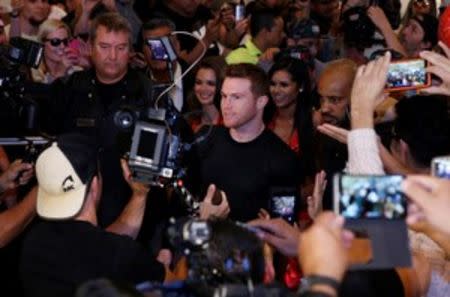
(85, 122)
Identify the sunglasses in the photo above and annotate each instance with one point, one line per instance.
(57, 41)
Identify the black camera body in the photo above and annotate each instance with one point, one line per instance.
(25, 52)
(189, 234)
(156, 151)
(18, 112)
(20, 51)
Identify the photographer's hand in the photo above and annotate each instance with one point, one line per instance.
(16, 174)
(208, 209)
(139, 189)
(227, 17)
(279, 234)
(212, 31)
(440, 66)
(323, 247)
(130, 220)
(364, 98)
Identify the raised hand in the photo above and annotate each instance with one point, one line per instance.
(367, 91)
(439, 66)
(314, 202)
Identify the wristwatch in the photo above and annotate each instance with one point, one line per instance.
(308, 281)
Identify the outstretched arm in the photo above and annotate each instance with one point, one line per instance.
(376, 14)
(14, 220)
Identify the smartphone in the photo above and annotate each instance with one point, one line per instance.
(284, 204)
(239, 12)
(158, 49)
(162, 49)
(369, 196)
(407, 74)
(74, 44)
(440, 167)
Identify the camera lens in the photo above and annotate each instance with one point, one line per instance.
(124, 119)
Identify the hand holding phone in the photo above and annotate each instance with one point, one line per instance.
(161, 49)
(284, 204)
(407, 74)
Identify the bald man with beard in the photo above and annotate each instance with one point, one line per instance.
(334, 88)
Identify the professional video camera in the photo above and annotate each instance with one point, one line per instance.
(21, 51)
(33, 145)
(156, 147)
(212, 272)
(18, 113)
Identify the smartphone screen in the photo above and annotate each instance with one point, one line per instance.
(441, 167)
(283, 204)
(407, 74)
(158, 50)
(239, 12)
(369, 197)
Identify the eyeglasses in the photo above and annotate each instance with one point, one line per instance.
(57, 41)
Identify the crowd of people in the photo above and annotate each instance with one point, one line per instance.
(269, 107)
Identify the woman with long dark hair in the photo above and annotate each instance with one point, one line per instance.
(204, 101)
(289, 112)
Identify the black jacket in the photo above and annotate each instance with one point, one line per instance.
(76, 104)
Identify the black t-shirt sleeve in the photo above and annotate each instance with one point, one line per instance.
(136, 265)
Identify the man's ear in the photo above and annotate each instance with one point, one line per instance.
(261, 102)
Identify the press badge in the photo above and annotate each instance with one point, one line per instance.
(85, 122)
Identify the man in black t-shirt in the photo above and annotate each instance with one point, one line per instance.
(244, 159)
(68, 248)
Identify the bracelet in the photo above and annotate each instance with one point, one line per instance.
(308, 281)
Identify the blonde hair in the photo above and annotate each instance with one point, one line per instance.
(50, 26)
